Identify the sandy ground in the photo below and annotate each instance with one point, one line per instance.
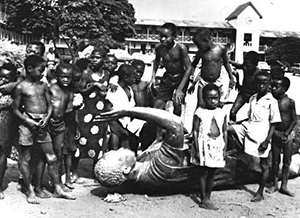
(233, 203)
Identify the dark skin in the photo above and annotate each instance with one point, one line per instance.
(212, 101)
(281, 133)
(176, 60)
(140, 88)
(33, 97)
(5, 77)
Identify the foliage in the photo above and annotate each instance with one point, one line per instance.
(103, 22)
(286, 49)
(11, 53)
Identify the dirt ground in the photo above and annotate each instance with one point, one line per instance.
(233, 203)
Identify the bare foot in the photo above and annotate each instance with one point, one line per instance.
(32, 199)
(59, 193)
(208, 205)
(257, 198)
(272, 190)
(1, 195)
(42, 194)
(286, 192)
(69, 185)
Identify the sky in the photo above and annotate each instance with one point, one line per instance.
(277, 14)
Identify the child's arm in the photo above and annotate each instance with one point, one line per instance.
(179, 95)
(85, 88)
(195, 131)
(264, 145)
(224, 129)
(45, 120)
(155, 67)
(227, 67)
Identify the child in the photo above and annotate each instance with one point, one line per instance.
(210, 140)
(247, 89)
(111, 64)
(212, 56)
(175, 59)
(256, 132)
(33, 107)
(282, 139)
(8, 73)
(61, 95)
(140, 87)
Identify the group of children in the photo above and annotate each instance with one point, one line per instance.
(42, 110)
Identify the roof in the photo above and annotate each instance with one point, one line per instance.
(276, 34)
(240, 9)
(185, 23)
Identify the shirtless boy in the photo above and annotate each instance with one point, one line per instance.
(282, 139)
(175, 59)
(60, 93)
(213, 56)
(140, 87)
(33, 107)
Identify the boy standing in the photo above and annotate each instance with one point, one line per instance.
(256, 132)
(212, 56)
(175, 58)
(282, 139)
(33, 107)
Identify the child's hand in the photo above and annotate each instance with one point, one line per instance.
(43, 122)
(263, 146)
(179, 96)
(113, 88)
(32, 123)
(191, 89)
(231, 83)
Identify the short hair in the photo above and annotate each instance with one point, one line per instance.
(109, 169)
(62, 66)
(125, 70)
(137, 62)
(277, 72)
(210, 87)
(285, 82)
(200, 34)
(10, 67)
(83, 63)
(252, 56)
(33, 61)
(111, 56)
(101, 50)
(38, 43)
(263, 73)
(170, 26)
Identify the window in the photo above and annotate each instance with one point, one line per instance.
(247, 39)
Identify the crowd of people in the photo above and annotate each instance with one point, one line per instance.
(93, 108)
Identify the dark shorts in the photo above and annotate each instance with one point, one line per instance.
(56, 127)
(168, 84)
(28, 136)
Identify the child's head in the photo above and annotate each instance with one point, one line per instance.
(64, 74)
(127, 74)
(202, 38)
(8, 73)
(280, 86)
(97, 57)
(76, 75)
(251, 59)
(35, 48)
(277, 72)
(35, 66)
(111, 63)
(168, 34)
(114, 166)
(83, 64)
(211, 96)
(262, 81)
(140, 68)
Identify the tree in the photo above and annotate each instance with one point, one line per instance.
(286, 50)
(102, 22)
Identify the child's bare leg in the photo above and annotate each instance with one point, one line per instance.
(75, 177)
(40, 169)
(275, 166)
(3, 163)
(209, 186)
(177, 109)
(265, 174)
(25, 157)
(68, 163)
(287, 154)
(53, 171)
(205, 190)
